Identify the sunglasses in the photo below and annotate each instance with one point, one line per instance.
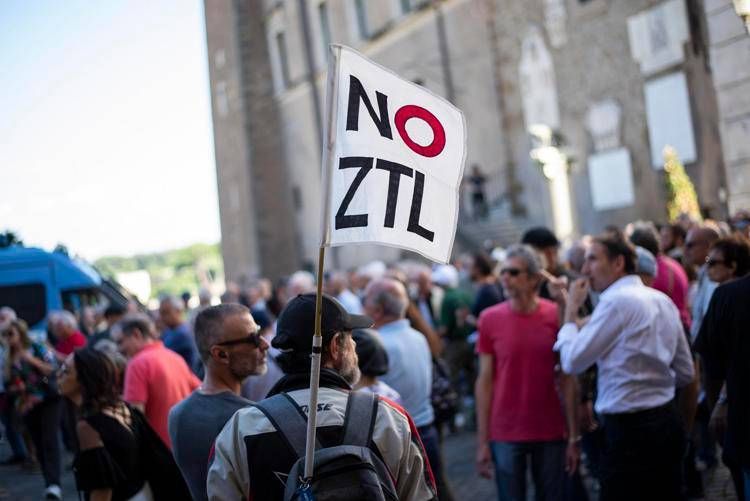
(252, 338)
(513, 272)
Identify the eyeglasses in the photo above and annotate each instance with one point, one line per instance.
(713, 262)
(513, 272)
(252, 338)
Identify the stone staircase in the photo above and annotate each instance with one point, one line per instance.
(499, 229)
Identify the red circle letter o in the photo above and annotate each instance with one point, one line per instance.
(412, 111)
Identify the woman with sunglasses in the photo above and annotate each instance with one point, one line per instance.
(728, 258)
(30, 379)
(119, 454)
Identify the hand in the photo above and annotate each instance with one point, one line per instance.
(558, 288)
(578, 292)
(572, 457)
(587, 422)
(484, 461)
(718, 422)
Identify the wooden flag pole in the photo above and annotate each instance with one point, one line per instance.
(317, 346)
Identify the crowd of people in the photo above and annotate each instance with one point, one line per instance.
(621, 357)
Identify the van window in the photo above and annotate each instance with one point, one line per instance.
(29, 301)
(75, 299)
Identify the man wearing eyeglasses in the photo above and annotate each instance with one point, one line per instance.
(252, 459)
(231, 348)
(519, 411)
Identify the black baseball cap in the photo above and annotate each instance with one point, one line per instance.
(295, 327)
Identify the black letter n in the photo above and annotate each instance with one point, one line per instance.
(355, 220)
(357, 92)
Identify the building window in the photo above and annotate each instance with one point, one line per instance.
(283, 59)
(361, 19)
(325, 27)
(405, 6)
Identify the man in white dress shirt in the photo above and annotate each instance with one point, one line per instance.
(638, 343)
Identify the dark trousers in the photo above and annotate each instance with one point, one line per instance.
(43, 423)
(11, 421)
(431, 443)
(547, 469)
(642, 455)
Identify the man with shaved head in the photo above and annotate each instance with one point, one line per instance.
(409, 364)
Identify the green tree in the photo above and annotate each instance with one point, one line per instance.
(171, 272)
(9, 238)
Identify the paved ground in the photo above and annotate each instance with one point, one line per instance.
(458, 452)
(25, 485)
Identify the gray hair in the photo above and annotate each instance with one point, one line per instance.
(527, 254)
(301, 282)
(134, 321)
(64, 317)
(209, 325)
(174, 302)
(390, 295)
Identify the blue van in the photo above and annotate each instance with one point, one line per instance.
(34, 282)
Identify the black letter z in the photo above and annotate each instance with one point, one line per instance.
(342, 219)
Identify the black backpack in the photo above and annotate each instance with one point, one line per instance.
(349, 471)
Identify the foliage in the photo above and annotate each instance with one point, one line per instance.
(8, 239)
(681, 196)
(172, 272)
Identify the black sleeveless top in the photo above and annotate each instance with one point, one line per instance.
(115, 466)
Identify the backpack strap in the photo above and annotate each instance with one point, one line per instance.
(359, 421)
(288, 419)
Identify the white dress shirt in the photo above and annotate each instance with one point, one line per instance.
(636, 338)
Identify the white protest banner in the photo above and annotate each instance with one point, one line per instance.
(393, 160)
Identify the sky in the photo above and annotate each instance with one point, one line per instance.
(106, 141)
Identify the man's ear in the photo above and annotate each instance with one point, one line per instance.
(334, 348)
(620, 263)
(218, 354)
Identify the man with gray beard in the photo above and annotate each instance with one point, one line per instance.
(253, 459)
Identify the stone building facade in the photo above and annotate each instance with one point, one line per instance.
(611, 82)
(729, 43)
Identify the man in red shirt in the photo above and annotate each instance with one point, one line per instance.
(520, 411)
(156, 378)
(68, 338)
(671, 278)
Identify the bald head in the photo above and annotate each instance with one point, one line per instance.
(386, 301)
(337, 283)
(698, 242)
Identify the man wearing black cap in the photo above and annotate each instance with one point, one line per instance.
(252, 460)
